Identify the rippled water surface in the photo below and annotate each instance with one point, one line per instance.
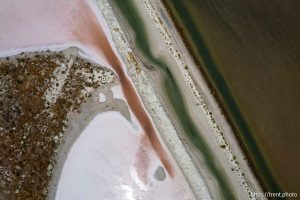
(250, 53)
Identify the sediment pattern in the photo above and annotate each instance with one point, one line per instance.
(38, 90)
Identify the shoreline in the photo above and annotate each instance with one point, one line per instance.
(86, 41)
(228, 113)
(216, 97)
(233, 140)
(122, 59)
(158, 114)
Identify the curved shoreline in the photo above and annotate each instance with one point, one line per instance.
(158, 114)
(224, 134)
(133, 77)
(174, 98)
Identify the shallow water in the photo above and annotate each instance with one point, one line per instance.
(105, 163)
(249, 51)
(172, 92)
(42, 24)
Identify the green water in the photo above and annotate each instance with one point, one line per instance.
(174, 97)
(190, 27)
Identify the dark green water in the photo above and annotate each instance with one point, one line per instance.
(173, 93)
(249, 51)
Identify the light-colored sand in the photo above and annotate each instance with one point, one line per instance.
(201, 104)
(203, 108)
(153, 105)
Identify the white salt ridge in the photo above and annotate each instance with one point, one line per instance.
(159, 116)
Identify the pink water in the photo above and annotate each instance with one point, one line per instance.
(38, 24)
